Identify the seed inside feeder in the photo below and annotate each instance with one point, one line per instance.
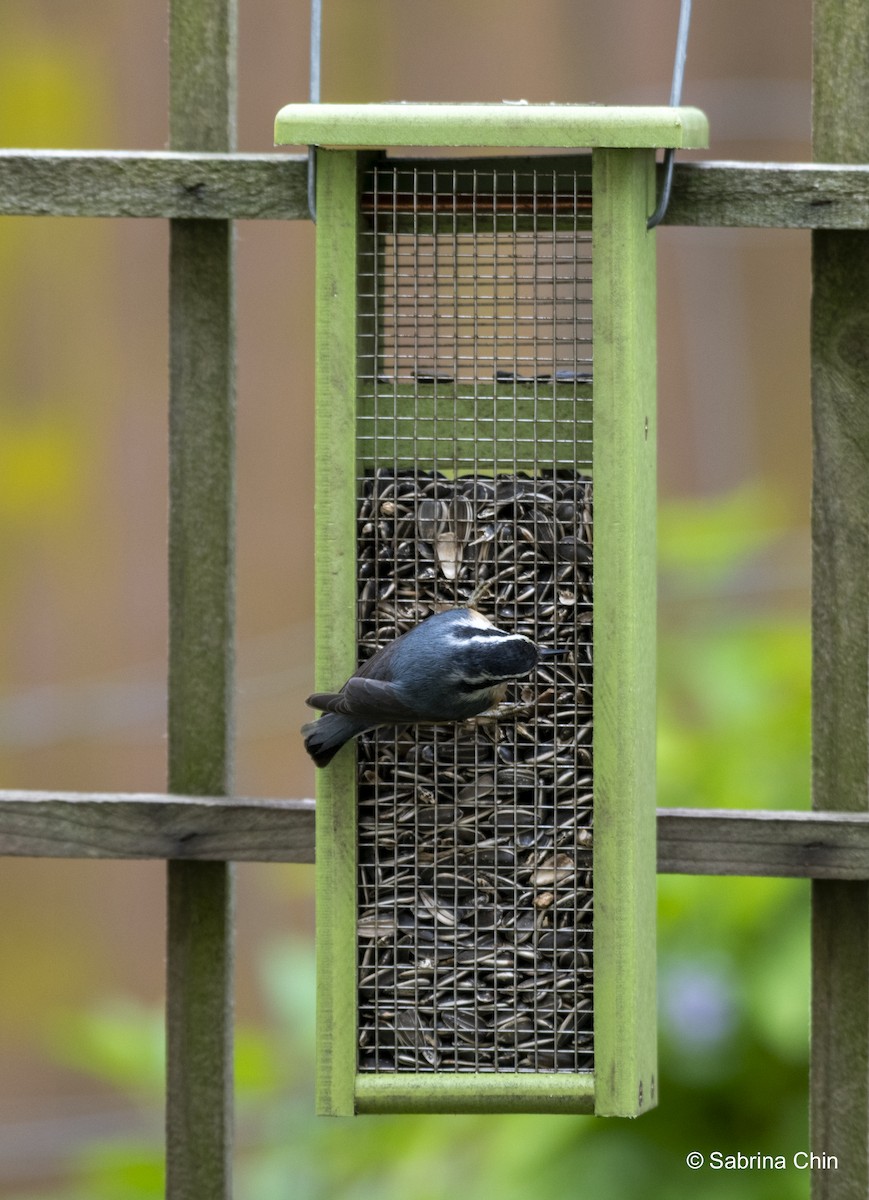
(474, 880)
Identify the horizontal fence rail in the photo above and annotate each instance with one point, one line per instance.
(97, 183)
(174, 184)
(769, 195)
(696, 841)
(153, 825)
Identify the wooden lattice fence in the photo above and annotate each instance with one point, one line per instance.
(201, 186)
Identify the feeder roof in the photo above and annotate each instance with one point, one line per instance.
(566, 126)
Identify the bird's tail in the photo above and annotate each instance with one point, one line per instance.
(325, 737)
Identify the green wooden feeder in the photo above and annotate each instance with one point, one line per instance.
(486, 350)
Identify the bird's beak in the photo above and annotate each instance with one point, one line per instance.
(551, 651)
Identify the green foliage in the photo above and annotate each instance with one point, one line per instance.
(123, 1168)
(734, 703)
(120, 1042)
(707, 541)
(733, 699)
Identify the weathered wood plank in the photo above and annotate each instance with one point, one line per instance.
(778, 844)
(122, 183)
(199, 1030)
(93, 183)
(839, 1071)
(201, 506)
(200, 896)
(772, 195)
(819, 845)
(101, 825)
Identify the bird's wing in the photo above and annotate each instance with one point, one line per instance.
(378, 665)
(325, 701)
(372, 700)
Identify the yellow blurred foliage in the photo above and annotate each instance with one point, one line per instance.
(55, 95)
(39, 478)
(54, 90)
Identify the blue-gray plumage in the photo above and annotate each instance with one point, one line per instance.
(451, 666)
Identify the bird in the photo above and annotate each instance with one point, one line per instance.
(451, 666)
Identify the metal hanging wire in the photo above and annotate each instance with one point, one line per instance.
(675, 97)
(314, 98)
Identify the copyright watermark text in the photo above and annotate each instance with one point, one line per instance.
(803, 1160)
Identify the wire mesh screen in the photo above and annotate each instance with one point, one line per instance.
(474, 489)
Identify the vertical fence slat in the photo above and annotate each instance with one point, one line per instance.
(201, 597)
(840, 608)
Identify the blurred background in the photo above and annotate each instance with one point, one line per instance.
(83, 595)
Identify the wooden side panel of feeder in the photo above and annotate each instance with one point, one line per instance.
(335, 603)
(624, 632)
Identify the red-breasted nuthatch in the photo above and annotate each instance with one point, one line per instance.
(451, 666)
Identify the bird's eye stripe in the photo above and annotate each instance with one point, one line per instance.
(486, 636)
(464, 632)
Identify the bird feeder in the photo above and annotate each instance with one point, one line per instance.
(485, 412)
